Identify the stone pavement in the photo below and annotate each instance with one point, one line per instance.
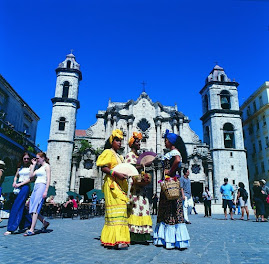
(213, 240)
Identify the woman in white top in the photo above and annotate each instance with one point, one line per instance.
(40, 190)
(18, 214)
(207, 202)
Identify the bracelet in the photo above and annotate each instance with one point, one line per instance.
(112, 172)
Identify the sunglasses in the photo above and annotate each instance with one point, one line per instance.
(26, 158)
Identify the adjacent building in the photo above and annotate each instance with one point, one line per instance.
(255, 116)
(18, 125)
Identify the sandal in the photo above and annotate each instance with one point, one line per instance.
(7, 233)
(122, 246)
(45, 226)
(29, 233)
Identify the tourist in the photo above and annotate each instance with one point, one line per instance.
(171, 231)
(242, 199)
(258, 197)
(155, 200)
(139, 219)
(72, 202)
(115, 233)
(227, 197)
(207, 197)
(185, 184)
(77, 201)
(94, 202)
(19, 216)
(2, 168)
(40, 191)
(195, 200)
(50, 200)
(266, 194)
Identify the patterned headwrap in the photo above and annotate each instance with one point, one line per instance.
(135, 136)
(115, 133)
(170, 136)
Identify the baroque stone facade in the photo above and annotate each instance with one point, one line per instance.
(73, 153)
(151, 119)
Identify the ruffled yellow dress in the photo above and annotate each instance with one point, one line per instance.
(115, 230)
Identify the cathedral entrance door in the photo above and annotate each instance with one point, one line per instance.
(197, 190)
(86, 184)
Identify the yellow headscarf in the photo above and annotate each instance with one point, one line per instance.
(115, 133)
(135, 136)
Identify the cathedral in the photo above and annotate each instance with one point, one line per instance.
(73, 153)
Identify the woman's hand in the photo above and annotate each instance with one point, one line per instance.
(17, 185)
(45, 194)
(121, 176)
(33, 161)
(14, 184)
(166, 172)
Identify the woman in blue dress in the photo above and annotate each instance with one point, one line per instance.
(19, 216)
(171, 231)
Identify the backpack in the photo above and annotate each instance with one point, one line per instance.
(244, 194)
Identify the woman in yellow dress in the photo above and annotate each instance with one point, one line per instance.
(140, 222)
(115, 232)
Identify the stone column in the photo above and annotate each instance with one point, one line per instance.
(175, 126)
(180, 125)
(73, 175)
(154, 181)
(158, 136)
(108, 126)
(159, 176)
(115, 122)
(130, 128)
(210, 179)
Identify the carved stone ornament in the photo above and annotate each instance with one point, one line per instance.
(143, 124)
(195, 168)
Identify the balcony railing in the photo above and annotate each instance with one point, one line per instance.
(19, 138)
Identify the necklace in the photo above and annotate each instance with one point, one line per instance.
(116, 156)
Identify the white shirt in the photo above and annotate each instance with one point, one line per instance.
(24, 174)
(41, 175)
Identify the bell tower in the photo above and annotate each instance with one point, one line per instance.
(222, 129)
(63, 124)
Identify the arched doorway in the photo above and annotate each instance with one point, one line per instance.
(197, 190)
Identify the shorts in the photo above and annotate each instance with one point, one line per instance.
(242, 202)
(227, 202)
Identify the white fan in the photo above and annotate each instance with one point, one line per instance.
(130, 171)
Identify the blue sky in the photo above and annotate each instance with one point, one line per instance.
(172, 45)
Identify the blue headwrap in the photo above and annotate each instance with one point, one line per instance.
(170, 136)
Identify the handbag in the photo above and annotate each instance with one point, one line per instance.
(16, 191)
(171, 188)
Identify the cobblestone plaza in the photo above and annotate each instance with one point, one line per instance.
(213, 240)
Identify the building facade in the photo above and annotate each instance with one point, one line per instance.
(222, 129)
(152, 120)
(18, 125)
(73, 153)
(255, 124)
(63, 124)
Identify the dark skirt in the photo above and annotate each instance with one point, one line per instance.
(170, 211)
